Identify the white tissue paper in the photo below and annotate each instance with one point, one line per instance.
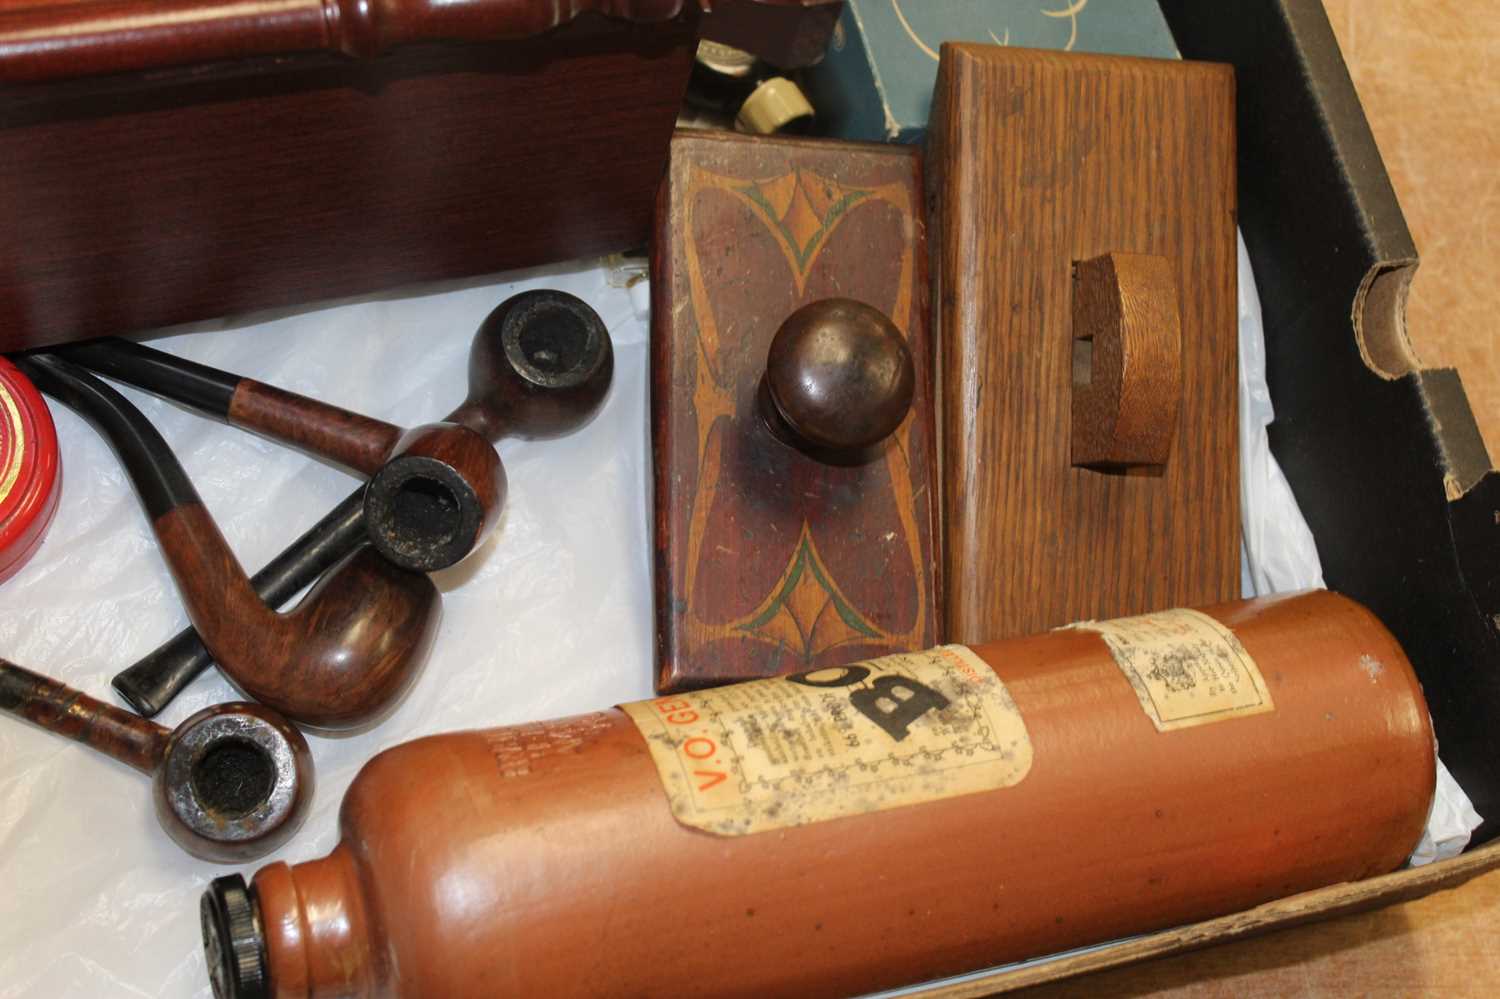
(552, 617)
(1277, 553)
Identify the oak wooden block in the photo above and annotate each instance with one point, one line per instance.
(768, 560)
(1085, 275)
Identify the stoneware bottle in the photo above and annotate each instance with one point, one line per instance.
(862, 827)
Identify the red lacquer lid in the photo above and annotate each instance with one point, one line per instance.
(29, 469)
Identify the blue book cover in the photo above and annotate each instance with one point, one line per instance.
(876, 81)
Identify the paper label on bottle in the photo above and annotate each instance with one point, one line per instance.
(829, 743)
(1186, 668)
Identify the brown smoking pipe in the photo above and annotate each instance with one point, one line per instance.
(232, 783)
(435, 490)
(337, 660)
(539, 367)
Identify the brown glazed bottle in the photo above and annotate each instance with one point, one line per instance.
(1138, 783)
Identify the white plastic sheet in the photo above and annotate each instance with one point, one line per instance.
(553, 617)
(1277, 553)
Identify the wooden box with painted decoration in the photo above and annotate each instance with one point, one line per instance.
(769, 560)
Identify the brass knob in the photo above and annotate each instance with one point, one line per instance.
(839, 381)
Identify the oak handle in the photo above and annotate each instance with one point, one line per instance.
(1127, 360)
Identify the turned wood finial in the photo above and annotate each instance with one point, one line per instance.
(839, 380)
(51, 41)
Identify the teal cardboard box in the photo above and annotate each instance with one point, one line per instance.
(876, 81)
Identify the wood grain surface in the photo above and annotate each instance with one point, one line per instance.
(1037, 161)
(74, 715)
(356, 441)
(1127, 361)
(1424, 69)
(45, 40)
(1232, 942)
(137, 201)
(768, 561)
(1434, 945)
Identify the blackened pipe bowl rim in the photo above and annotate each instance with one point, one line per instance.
(591, 351)
(232, 835)
(454, 534)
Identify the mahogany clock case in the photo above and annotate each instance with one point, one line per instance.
(183, 190)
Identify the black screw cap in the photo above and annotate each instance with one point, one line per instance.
(232, 940)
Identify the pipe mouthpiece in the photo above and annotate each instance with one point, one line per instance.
(144, 690)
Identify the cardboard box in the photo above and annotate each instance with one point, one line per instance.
(876, 81)
(1309, 907)
(1384, 458)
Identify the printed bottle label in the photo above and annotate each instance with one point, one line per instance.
(1186, 668)
(829, 743)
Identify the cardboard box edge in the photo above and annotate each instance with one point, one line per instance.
(1336, 900)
